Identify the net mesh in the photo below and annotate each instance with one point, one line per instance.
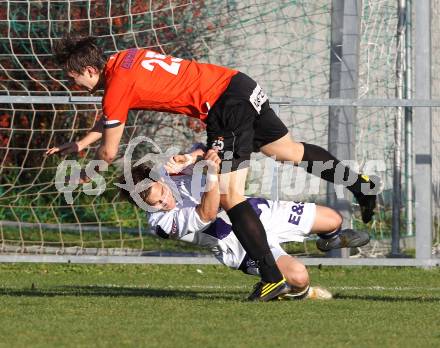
(283, 45)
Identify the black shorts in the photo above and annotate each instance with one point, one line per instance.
(241, 121)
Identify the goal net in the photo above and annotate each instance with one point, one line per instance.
(284, 45)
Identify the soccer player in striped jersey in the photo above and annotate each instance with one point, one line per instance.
(194, 217)
(239, 121)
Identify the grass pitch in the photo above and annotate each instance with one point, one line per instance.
(202, 306)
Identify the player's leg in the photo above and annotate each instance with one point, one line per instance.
(298, 278)
(250, 232)
(230, 131)
(296, 275)
(274, 140)
(327, 226)
(327, 220)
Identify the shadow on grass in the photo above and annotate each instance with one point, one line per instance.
(110, 291)
(386, 298)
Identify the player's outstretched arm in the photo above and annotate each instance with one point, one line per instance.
(111, 138)
(210, 201)
(75, 146)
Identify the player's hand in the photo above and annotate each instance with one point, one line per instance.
(181, 159)
(72, 147)
(213, 160)
(83, 178)
(178, 163)
(197, 155)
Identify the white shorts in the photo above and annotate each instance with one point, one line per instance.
(283, 221)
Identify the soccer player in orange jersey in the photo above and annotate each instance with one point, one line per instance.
(239, 121)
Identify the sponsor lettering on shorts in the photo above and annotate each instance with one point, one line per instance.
(218, 144)
(258, 98)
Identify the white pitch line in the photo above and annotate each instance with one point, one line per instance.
(239, 287)
(344, 288)
(382, 288)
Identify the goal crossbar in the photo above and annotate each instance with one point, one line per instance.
(370, 102)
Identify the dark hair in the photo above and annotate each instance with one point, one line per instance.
(138, 174)
(76, 53)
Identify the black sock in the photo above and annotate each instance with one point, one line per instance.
(329, 235)
(330, 165)
(252, 236)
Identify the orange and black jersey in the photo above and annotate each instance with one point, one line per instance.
(143, 79)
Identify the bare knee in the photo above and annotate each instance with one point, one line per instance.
(326, 220)
(229, 201)
(336, 220)
(232, 188)
(297, 276)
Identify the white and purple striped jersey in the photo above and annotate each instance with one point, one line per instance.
(283, 221)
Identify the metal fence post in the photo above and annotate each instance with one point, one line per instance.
(423, 131)
(344, 75)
